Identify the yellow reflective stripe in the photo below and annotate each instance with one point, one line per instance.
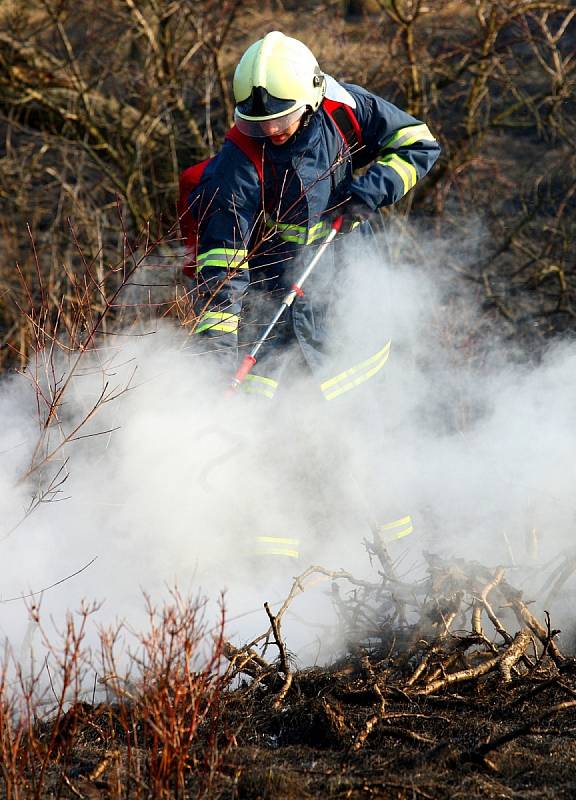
(299, 233)
(288, 232)
(402, 168)
(281, 552)
(246, 387)
(257, 384)
(410, 135)
(218, 321)
(278, 540)
(356, 375)
(222, 257)
(278, 546)
(318, 231)
(397, 529)
(262, 379)
(299, 238)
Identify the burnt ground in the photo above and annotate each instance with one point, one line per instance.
(336, 735)
(443, 745)
(451, 688)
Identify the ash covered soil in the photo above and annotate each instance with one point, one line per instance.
(451, 687)
(357, 731)
(487, 740)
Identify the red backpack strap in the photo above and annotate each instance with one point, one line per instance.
(346, 122)
(252, 148)
(343, 116)
(191, 177)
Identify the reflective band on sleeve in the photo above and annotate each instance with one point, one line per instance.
(218, 321)
(318, 231)
(256, 384)
(397, 529)
(355, 375)
(408, 136)
(230, 258)
(299, 234)
(277, 546)
(402, 168)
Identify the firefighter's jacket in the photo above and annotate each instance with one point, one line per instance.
(260, 234)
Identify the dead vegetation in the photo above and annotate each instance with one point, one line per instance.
(449, 685)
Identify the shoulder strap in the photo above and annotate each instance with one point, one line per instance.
(343, 116)
(252, 148)
(346, 122)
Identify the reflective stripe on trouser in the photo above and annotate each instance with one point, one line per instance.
(402, 168)
(356, 375)
(218, 321)
(396, 530)
(409, 136)
(277, 546)
(222, 257)
(257, 384)
(300, 234)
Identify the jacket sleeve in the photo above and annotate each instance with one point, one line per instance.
(405, 150)
(225, 204)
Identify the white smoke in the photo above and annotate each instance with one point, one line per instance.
(175, 482)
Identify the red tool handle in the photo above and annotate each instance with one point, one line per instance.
(337, 224)
(249, 360)
(244, 368)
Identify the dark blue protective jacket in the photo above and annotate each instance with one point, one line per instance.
(260, 234)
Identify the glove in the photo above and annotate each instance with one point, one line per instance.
(353, 213)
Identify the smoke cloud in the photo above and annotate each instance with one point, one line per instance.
(172, 483)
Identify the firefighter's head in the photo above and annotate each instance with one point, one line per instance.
(276, 84)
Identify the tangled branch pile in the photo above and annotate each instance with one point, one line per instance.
(454, 670)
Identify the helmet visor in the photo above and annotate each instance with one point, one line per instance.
(273, 126)
(260, 103)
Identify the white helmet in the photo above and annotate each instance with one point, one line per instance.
(277, 79)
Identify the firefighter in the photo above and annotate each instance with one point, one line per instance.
(260, 216)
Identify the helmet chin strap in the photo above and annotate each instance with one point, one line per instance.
(305, 121)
